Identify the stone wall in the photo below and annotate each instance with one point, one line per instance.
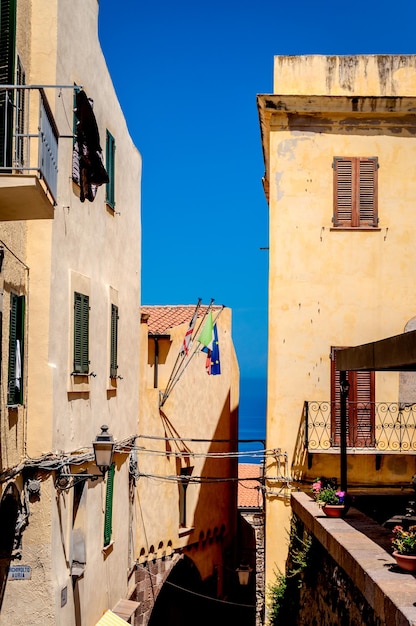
(351, 578)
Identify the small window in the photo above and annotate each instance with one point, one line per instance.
(110, 149)
(81, 333)
(355, 192)
(16, 345)
(108, 515)
(113, 341)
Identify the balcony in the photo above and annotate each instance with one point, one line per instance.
(373, 427)
(28, 154)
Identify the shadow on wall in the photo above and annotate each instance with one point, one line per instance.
(9, 511)
(300, 454)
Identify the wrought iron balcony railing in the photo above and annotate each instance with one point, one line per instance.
(28, 134)
(373, 426)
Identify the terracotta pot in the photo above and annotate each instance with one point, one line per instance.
(406, 562)
(335, 510)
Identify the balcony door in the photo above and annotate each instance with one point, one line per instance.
(7, 76)
(360, 407)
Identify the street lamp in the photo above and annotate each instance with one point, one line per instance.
(243, 573)
(103, 446)
(103, 449)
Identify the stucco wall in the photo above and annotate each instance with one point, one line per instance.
(85, 243)
(328, 286)
(371, 75)
(199, 407)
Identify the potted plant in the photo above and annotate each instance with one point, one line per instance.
(404, 545)
(333, 501)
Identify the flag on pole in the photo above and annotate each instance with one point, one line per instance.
(209, 339)
(187, 340)
(207, 333)
(215, 355)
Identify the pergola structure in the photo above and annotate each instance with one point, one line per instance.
(394, 354)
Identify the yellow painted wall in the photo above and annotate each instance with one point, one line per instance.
(199, 407)
(331, 287)
(85, 244)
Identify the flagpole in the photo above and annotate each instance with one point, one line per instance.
(175, 376)
(179, 359)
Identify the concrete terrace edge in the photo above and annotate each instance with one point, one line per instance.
(391, 593)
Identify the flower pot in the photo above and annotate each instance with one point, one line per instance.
(406, 562)
(335, 510)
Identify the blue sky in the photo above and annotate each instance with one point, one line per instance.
(187, 74)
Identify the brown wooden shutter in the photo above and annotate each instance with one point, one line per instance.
(355, 192)
(343, 185)
(367, 192)
(360, 407)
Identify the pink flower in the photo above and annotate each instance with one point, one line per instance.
(317, 486)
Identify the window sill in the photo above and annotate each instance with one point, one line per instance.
(183, 532)
(79, 383)
(108, 548)
(366, 229)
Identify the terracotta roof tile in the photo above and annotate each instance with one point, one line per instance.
(249, 496)
(162, 318)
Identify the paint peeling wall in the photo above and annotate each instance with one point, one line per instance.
(365, 75)
(328, 286)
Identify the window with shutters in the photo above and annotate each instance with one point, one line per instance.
(7, 69)
(108, 514)
(360, 407)
(20, 114)
(81, 333)
(110, 149)
(355, 192)
(113, 341)
(16, 350)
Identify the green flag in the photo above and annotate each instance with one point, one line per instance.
(207, 332)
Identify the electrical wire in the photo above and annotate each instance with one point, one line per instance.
(195, 593)
(200, 595)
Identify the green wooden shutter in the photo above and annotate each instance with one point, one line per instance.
(81, 333)
(113, 341)
(16, 350)
(7, 61)
(110, 149)
(108, 515)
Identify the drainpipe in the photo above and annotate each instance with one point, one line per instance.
(344, 386)
(155, 372)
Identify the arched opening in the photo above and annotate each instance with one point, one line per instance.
(9, 511)
(186, 600)
(173, 605)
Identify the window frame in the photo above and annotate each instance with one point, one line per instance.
(360, 406)
(108, 512)
(16, 334)
(355, 192)
(113, 340)
(81, 361)
(110, 149)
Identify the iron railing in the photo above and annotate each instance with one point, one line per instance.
(375, 426)
(28, 134)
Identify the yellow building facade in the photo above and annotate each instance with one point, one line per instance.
(186, 466)
(339, 141)
(70, 277)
